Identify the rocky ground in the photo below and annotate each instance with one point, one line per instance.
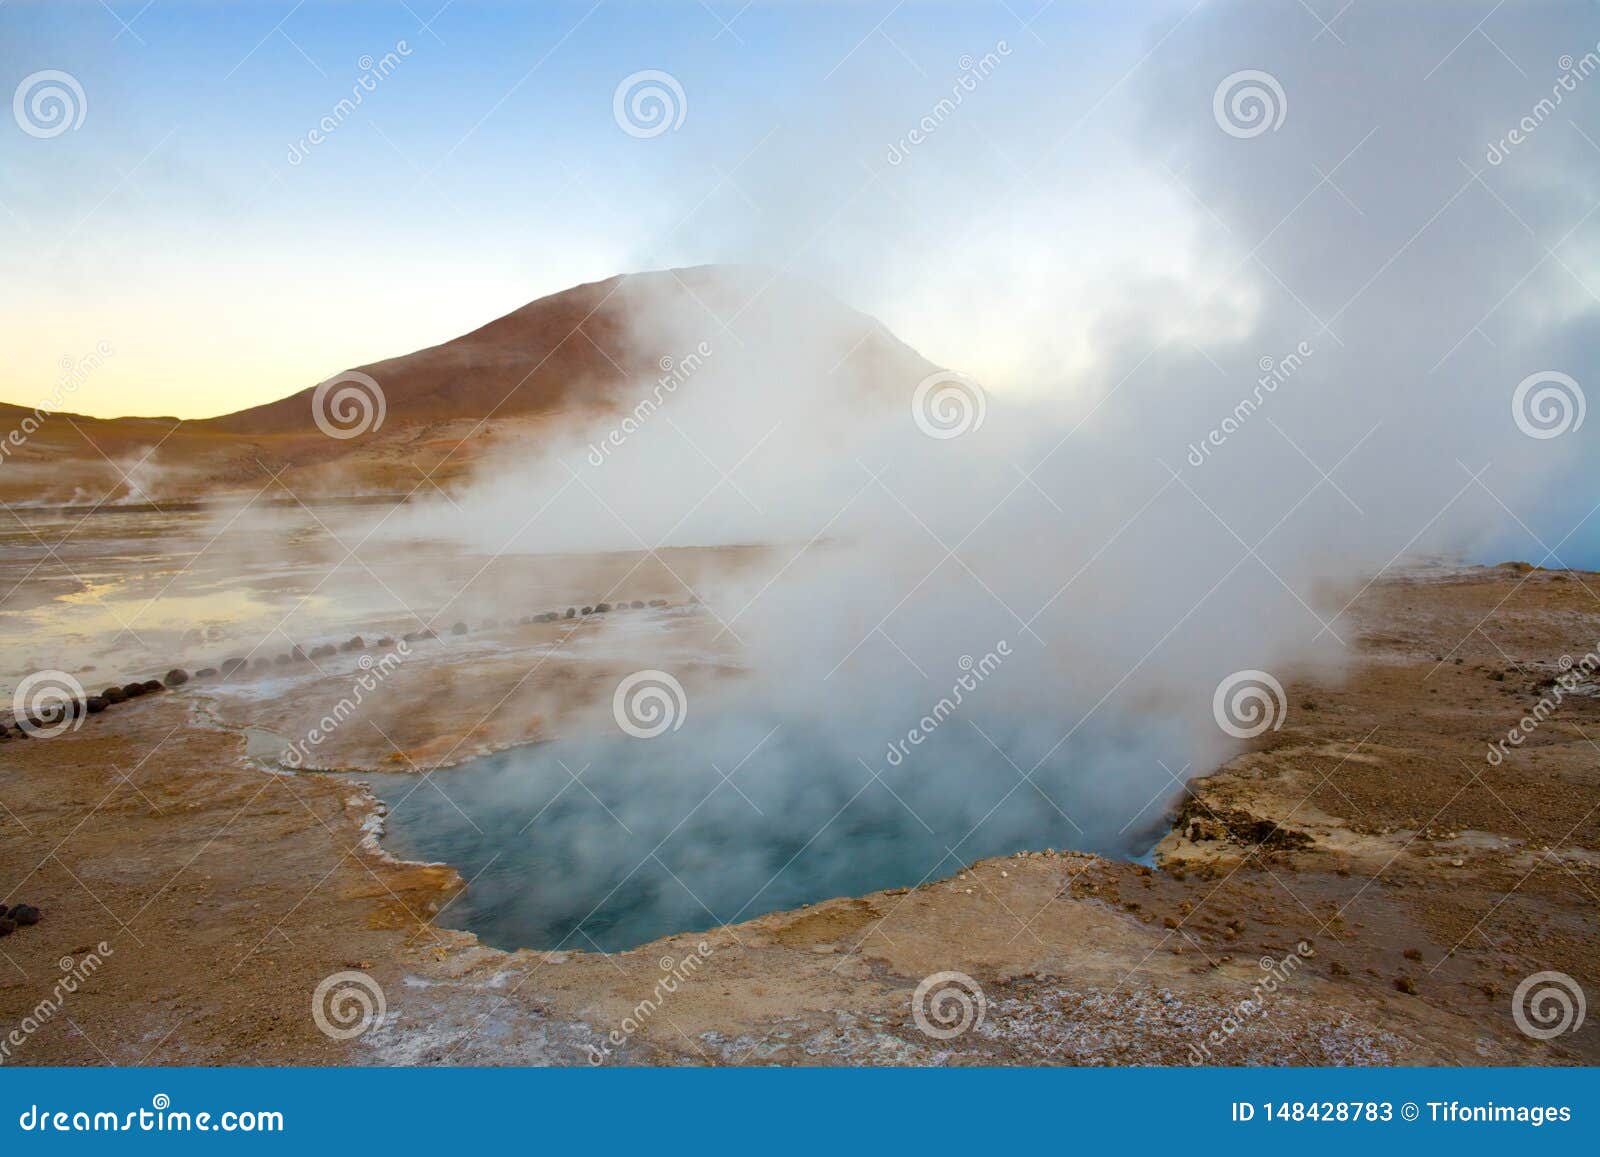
(1363, 886)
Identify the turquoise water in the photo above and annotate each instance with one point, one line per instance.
(609, 843)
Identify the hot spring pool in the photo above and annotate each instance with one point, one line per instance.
(609, 843)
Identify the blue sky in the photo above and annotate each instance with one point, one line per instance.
(483, 171)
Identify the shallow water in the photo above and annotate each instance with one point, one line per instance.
(609, 843)
(116, 594)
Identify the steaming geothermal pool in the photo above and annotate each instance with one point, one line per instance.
(609, 843)
(761, 802)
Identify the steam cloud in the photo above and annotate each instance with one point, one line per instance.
(1360, 272)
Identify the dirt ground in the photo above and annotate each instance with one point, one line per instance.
(1362, 886)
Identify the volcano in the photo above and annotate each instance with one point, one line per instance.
(430, 413)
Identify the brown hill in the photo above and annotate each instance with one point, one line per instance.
(573, 351)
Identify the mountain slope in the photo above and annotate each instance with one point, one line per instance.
(579, 350)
